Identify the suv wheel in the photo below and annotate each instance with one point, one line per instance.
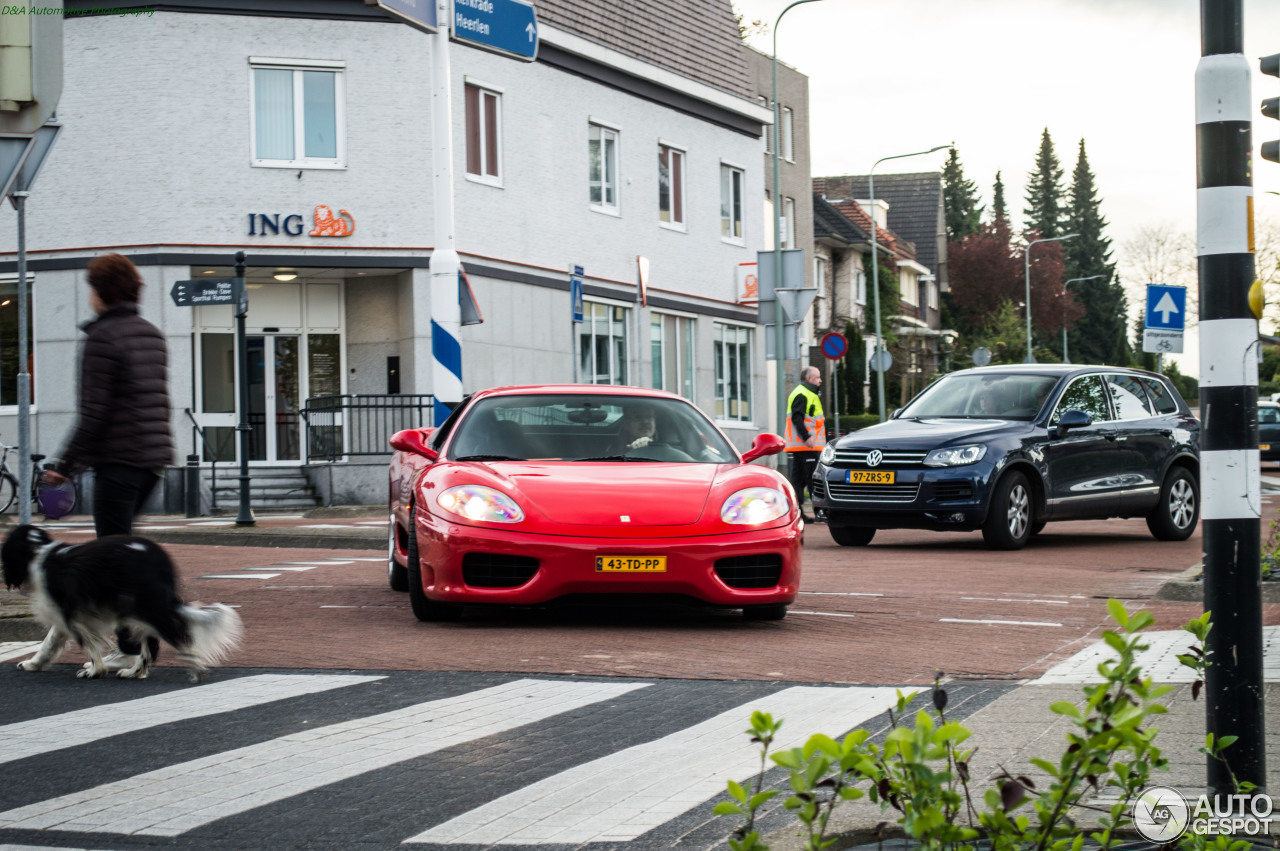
(1010, 517)
(852, 536)
(1175, 515)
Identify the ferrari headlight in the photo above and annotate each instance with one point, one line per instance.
(752, 506)
(477, 502)
(956, 456)
(828, 455)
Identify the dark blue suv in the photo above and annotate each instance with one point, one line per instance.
(1007, 449)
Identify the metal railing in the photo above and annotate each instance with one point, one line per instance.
(213, 457)
(351, 425)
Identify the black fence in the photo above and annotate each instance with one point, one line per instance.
(347, 426)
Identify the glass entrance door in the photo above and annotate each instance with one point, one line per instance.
(274, 398)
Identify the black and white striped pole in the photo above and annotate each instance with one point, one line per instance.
(1229, 473)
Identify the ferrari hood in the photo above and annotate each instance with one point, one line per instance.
(615, 494)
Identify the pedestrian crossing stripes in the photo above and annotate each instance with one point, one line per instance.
(189, 795)
(626, 794)
(584, 764)
(1159, 661)
(69, 729)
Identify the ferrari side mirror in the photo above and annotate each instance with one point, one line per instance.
(414, 441)
(764, 444)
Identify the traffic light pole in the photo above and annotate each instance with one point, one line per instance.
(1230, 483)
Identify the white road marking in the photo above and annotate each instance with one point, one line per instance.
(1016, 600)
(69, 729)
(37, 848)
(1002, 623)
(14, 649)
(324, 563)
(828, 614)
(841, 593)
(282, 567)
(324, 526)
(621, 796)
(188, 795)
(240, 576)
(214, 523)
(1159, 661)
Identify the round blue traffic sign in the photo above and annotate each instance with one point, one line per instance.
(834, 345)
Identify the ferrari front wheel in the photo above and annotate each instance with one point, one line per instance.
(397, 576)
(424, 608)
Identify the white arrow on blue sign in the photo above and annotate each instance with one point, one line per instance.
(504, 26)
(1166, 307)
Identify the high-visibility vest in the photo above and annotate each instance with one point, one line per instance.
(814, 421)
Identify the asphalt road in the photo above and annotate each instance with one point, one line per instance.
(344, 723)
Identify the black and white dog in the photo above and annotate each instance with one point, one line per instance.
(84, 591)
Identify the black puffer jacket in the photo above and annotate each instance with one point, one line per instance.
(124, 395)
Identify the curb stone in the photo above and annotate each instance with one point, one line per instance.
(1188, 587)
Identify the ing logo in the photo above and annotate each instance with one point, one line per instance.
(328, 225)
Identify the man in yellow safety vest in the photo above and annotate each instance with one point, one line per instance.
(806, 432)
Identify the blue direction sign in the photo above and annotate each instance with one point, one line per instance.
(1166, 307)
(504, 26)
(417, 13)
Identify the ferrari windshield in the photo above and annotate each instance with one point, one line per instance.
(588, 427)
(988, 395)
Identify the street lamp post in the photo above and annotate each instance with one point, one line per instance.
(1064, 311)
(779, 329)
(1027, 280)
(877, 360)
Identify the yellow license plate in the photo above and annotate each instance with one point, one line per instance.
(868, 477)
(631, 564)
(1264, 446)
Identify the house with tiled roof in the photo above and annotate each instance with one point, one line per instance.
(301, 132)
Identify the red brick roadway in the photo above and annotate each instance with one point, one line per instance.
(895, 612)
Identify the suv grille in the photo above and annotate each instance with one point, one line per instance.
(493, 570)
(873, 493)
(892, 458)
(760, 571)
(952, 490)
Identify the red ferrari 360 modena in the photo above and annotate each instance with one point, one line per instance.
(531, 495)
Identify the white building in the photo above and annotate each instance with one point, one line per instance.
(298, 131)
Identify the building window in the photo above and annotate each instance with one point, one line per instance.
(603, 154)
(787, 144)
(933, 294)
(859, 286)
(768, 131)
(298, 114)
(484, 134)
(9, 364)
(671, 352)
(730, 203)
(602, 344)
(733, 372)
(671, 186)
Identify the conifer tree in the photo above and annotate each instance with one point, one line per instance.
(959, 199)
(1044, 210)
(1099, 336)
(999, 209)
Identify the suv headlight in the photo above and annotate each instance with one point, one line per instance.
(956, 456)
(751, 506)
(828, 455)
(477, 502)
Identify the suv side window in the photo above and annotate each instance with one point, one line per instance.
(1084, 394)
(1161, 396)
(1128, 397)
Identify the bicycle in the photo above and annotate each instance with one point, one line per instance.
(53, 501)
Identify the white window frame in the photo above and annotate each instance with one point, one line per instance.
(675, 151)
(33, 350)
(860, 287)
(789, 219)
(768, 128)
(685, 351)
(732, 169)
(486, 132)
(297, 66)
(619, 363)
(614, 209)
(787, 144)
(722, 406)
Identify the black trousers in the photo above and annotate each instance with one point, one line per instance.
(119, 492)
(801, 471)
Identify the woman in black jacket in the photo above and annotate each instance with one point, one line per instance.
(123, 430)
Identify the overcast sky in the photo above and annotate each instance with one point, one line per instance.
(990, 75)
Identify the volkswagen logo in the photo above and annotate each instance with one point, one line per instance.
(874, 457)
